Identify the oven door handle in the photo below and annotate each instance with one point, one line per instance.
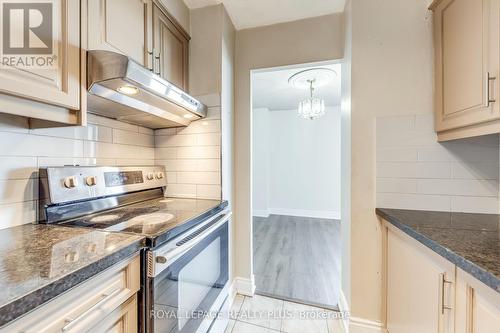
(165, 258)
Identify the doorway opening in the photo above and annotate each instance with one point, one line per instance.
(296, 183)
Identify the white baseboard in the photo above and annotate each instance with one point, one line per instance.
(260, 212)
(355, 324)
(244, 286)
(344, 308)
(322, 214)
(360, 325)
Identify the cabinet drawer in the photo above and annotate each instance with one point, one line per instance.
(122, 320)
(82, 307)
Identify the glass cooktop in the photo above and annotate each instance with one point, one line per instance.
(157, 218)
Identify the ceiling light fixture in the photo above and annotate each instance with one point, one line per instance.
(312, 107)
(188, 116)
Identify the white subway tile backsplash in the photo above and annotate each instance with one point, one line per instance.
(201, 126)
(131, 138)
(213, 113)
(424, 122)
(403, 123)
(466, 187)
(58, 161)
(208, 139)
(24, 150)
(94, 119)
(165, 153)
(15, 214)
(181, 190)
(203, 178)
(175, 140)
(128, 161)
(474, 170)
(11, 123)
(90, 132)
(18, 190)
(18, 167)
(396, 154)
(208, 191)
(192, 155)
(405, 138)
(208, 165)
(16, 144)
(401, 185)
(110, 150)
(414, 201)
(414, 171)
(198, 152)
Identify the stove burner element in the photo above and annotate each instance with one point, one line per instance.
(153, 218)
(146, 220)
(104, 218)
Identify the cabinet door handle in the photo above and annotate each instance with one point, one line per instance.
(72, 321)
(158, 57)
(488, 80)
(152, 62)
(443, 283)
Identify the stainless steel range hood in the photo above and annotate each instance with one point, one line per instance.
(121, 89)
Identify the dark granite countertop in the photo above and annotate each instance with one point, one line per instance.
(39, 262)
(471, 241)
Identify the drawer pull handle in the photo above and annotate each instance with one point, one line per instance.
(72, 321)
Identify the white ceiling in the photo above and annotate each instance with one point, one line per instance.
(255, 13)
(271, 90)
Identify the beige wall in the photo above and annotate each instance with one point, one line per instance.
(205, 50)
(392, 74)
(179, 10)
(303, 41)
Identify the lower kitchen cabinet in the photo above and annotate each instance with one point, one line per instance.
(424, 292)
(477, 306)
(121, 320)
(105, 303)
(419, 287)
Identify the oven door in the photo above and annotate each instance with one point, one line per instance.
(190, 279)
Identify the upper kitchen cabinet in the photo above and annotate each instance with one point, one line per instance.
(171, 48)
(41, 78)
(144, 31)
(466, 38)
(119, 26)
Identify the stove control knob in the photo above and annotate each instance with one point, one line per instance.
(70, 182)
(161, 259)
(91, 181)
(159, 175)
(150, 176)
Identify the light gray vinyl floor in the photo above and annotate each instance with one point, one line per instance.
(298, 259)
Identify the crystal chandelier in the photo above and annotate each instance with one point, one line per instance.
(311, 108)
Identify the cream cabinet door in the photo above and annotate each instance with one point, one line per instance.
(121, 320)
(57, 81)
(466, 38)
(419, 287)
(119, 26)
(477, 306)
(171, 47)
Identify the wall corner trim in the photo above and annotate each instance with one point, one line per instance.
(245, 286)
